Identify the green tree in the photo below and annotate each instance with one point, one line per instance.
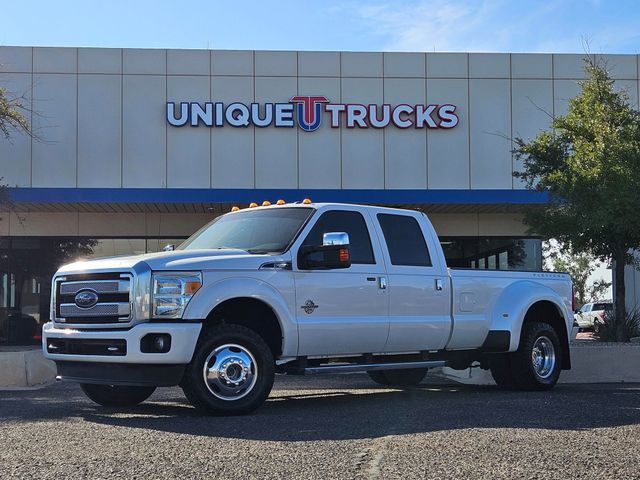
(580, 266)
(589, 162)
(12, 116)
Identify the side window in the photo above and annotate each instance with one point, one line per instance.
(353, 224)
(405, 241)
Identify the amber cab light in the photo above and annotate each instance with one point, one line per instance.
(253, 205)
(266, 203)
(306, 201)
(235, 209)
(280, 202)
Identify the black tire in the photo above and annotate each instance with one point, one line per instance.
(523, 369)
(116, 395)
(255, 385)
(398, 378)
(500, 367)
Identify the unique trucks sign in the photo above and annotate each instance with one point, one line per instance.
(307, 111)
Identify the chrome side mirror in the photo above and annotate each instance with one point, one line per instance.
(335, 238)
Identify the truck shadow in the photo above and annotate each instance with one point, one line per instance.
(336, 414)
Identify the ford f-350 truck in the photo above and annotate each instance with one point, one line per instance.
(298, 289)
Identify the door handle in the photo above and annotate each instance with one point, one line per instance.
(438, 285)
(382, 283)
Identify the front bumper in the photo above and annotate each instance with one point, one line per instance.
(184, 337)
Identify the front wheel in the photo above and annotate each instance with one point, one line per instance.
(231, 373)
(116, 395)
(398, 378)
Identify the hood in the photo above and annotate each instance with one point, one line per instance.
(174, 260)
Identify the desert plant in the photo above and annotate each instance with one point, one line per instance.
(605, 329)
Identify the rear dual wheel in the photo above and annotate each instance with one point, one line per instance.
(535, 365)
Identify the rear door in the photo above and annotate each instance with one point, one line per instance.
(342, 311)
(419, 291)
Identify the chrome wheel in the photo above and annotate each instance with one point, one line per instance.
(543, 357)
(230, 372)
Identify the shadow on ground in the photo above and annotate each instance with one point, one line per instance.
(349, 407)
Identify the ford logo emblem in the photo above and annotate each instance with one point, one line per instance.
(86, 298)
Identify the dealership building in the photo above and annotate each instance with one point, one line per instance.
(135, 149)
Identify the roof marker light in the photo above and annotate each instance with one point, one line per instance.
(253, 205)
(266, 203)
(306, 201)
(280, 202)
(235, 209)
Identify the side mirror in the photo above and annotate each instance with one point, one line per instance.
(333, 253)
(169, 248)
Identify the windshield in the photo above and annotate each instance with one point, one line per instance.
(255, 231)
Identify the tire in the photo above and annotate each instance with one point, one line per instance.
(398, 378)
(231, 373)
(500, 367)
(116, 395)
(540, 341)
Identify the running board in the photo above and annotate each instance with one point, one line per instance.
(363, 367)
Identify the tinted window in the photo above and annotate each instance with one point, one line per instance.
(405, 241)
(602, 306)
(343, 221)
(254, 230)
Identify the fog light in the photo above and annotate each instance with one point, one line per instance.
(155, 343)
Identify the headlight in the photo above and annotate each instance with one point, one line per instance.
(172, 292)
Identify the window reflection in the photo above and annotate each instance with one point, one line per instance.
(502, 253)
(27, 265)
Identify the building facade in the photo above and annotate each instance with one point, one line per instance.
(135, 148)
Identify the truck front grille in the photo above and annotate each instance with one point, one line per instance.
(112, 291)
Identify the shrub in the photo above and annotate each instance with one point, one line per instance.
(605, 329)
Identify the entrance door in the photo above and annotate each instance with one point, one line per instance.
(343, 311)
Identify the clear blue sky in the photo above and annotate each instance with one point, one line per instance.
(377, 25)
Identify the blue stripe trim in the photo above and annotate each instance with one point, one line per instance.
(226, 195)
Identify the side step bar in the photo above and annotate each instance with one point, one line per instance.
(362, 367)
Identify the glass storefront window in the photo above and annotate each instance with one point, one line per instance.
(502, 253)
(27, 265)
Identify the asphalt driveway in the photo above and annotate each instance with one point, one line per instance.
(329, 427)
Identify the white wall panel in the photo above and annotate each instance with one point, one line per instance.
(563, 90)
(489, 65)
(54, 158)
(490, 120)
(620, 66)
(16, 59)
(319, 152)
(405, 150)
(447, 65)
(631, 87)
(144, 131)
(319, 64)
(188, 148)
(276, 64)
(188, 62)
(569, 66)
(100, 60)
(144, 61)
(532, 111)
(362, 148)
(361, 64)
(55, 60)
(448, 150)
(232, 62)
(404, 64)
(232, 149)
(15, 154)
(99, 131)
(276, 150)
(531, 65)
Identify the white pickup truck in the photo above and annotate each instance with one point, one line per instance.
(297, 289)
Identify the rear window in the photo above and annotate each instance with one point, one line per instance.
(602, 306)
(405, 240)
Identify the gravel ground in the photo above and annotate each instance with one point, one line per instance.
(330, 427)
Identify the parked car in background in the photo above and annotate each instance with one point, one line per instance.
(591, 313)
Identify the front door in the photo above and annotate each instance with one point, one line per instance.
(343, 311)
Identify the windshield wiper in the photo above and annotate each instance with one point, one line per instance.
(258, 251)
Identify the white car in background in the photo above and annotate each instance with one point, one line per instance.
(591, 313)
